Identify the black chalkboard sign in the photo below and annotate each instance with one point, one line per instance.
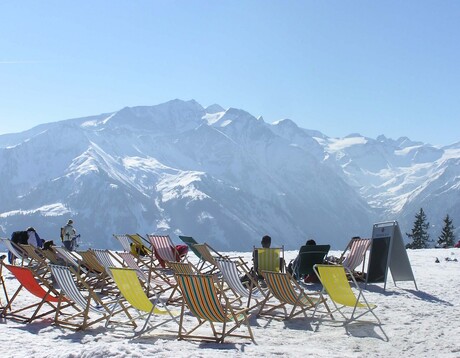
(378, 259)
(388, 252)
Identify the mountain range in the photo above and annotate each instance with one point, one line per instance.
(220, 175)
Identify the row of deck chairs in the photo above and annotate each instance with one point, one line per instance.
(119, 288)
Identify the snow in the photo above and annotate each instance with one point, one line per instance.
(340, 144)
(56, 209)
(421, 323)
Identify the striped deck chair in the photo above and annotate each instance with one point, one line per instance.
(288, 292)
(268, 259)
(37, 261)
(231, 276)
(16, 250)
(49, 297)
(203, 265)
(2, 283)
(70, 259)
(107, 260)
(336, 285)
(131, 289)
(164, 248)
(125, 242)
(92, 309)
(96, 273)
(201, 297)
(355, 255)
(182, 268)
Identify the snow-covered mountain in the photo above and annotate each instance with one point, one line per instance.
(222, 176)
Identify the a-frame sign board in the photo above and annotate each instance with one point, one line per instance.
(388, 252)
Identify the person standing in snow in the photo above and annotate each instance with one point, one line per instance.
(69, 235)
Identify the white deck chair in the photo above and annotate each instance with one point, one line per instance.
(90, 303)
(15, 250)
(70, 259)
(125, 242)
(357, 249)
(230, 274)
(153, 281)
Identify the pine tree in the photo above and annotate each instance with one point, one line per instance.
(419, 235)
(447, 237)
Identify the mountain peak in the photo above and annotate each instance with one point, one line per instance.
(214, 108)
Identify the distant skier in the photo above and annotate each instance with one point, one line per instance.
(69, 236)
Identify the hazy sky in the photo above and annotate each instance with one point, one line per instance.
(372, 67)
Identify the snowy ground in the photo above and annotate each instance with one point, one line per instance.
(416, 324)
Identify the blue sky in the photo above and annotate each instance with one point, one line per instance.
(372, 67)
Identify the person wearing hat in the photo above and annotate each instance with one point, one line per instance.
(69, 236)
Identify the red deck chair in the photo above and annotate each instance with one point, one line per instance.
(48, 296)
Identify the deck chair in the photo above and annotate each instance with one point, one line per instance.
(70, 259)
(152, 278)
(288, 292)
(204, 301)
(37, 261)
(96, 272)
(209, 256)
(107, 260)
(335, 283)
(91, 309)
(131, 289)
(202, 264)
(355, 255)
(164, 248)
(16, 251)
(2, 283)
(49, 297)
(268, 259)
(309, 255)
(124, 241)
(231, 276)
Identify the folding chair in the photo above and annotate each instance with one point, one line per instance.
(16, 251)
(70, 259)
(204, 301)
(309, 255)
(37, 261)
(355, 255)
(268, 259)
(202, 264)
(125, 242)
(209, 256)
(231, 276)
(88, 305)
(131, 289)
(164, 248)
(288, 292)
(153, 279)
(335, 283)
(2, 283)
(41, 289)
(96, 272)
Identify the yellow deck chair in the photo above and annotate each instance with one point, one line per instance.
(268, 259)
(335, 283)
(131, 289)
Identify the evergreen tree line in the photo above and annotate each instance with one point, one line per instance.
(420, 238)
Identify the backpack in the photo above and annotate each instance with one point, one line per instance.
(62, 233)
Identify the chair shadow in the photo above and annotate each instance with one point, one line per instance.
(425, 296)
(365, 330)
